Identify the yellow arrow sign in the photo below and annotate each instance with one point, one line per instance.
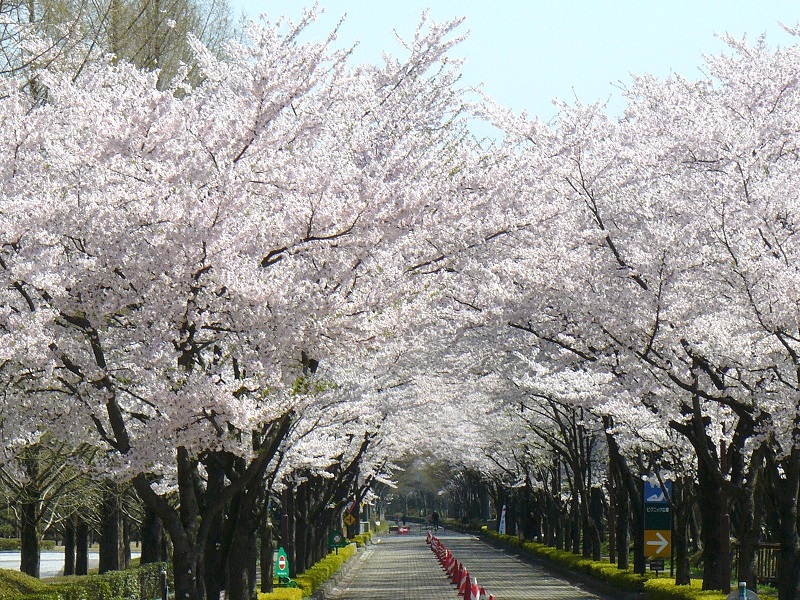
(349, 519)
(657, 542)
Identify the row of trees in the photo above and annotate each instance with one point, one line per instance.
(268, 275)
(635, 300)
(75, 508)
(203, 278)
(151, 34)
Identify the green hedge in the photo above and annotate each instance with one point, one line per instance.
(362, 539)
(114, 585)
(16, 586)
(313, 577)
(7, 544)
(656, 588)
(283, 594)
(665, 589)
(318, 574)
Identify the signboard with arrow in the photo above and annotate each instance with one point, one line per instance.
(657, 520)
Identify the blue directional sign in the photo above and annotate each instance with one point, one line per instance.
(657, 519)
(654, 493)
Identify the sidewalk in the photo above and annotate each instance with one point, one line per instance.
(396, 567)
(401, 567)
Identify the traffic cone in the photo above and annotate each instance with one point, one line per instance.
(474, 590)
(482, 594)
(441, 552)
(452, 565)
(464, 587)
(455, 576)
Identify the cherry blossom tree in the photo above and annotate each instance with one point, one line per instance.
(653, 249)
(170, 256)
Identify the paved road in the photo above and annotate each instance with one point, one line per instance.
(394, 568)
(402, 567)
(507, 577)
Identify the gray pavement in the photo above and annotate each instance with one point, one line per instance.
(507, 577)
(393, 568)
(399, 567)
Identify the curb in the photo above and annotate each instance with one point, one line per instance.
(324, 592)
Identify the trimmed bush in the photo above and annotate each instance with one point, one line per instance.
(318, 574)
(282, 594)
(16, 586)
(362, 538)
(656, 588)
(7, 544)
(114, 585)
(665, 589)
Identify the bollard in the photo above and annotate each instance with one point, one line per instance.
(482, 594)
(742, 593)
(164, 586)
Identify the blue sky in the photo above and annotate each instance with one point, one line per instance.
(525, 53)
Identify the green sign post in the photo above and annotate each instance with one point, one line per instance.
(337, 540)
(282, 564)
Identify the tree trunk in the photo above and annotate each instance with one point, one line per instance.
(69, 546)
(749, 507)
(152, 538)
(187, 566)
(111, 535)
(267, 549)
(612, 516)
(637, 530)
(575, 525)
(623, 529)
(682, 503)
(709, 497)
(126, 542)
(632, 487)
(29, 539)
(219, 542)
(81, 548)
(301, 508)
(190, 524)
(244, 519)
(596, 521)
(785, 483)
(290, 543)
(242, 567)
